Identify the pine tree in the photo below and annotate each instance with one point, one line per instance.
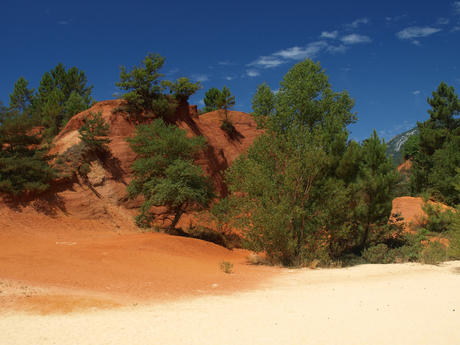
(22, 98)
(94, 132)
(60, 93)
(24, 165)
(164, 172)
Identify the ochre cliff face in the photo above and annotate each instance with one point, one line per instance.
(104, 195)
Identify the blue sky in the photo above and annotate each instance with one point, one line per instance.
(389, 55)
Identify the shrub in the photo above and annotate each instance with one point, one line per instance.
(377, 254)
(227, 126)
(226, 266)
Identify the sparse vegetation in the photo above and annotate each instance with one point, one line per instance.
(226, 266)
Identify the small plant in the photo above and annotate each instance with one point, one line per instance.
(226, 266)
(227, 126)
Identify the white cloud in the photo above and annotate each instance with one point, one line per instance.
(332, 34)
(355, 38)
(266, 62)
(297, 53)
(416, 42)
(357, 22)
(442, 21)
(416, 31)
(340, 49)
(415, 92)
(346, 69)
(200, 77)
(229, 78)
(455, 28)
(252, 73)
(456, 6)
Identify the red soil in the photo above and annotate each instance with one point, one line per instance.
(79, 239)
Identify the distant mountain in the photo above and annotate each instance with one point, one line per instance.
(394, 145)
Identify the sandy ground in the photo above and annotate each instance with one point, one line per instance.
(70, 281)
(370, 304)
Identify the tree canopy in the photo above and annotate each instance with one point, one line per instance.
(164, 172)
(438, 157)
(145, 88)
(304, 191)
(23, 162)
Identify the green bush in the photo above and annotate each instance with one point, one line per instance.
(377, 254)
(227, 126)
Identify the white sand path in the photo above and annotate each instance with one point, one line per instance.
(369, 304)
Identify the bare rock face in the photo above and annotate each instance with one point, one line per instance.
(102, 195)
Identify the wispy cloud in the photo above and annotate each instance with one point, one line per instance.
(340, 49)
(200, 77)
(267, 62)
(252, 73)
(415, 92)
(173, 71)
(355, 38)
(326, 34)
(442, 21)
(299, 53)
(63, 23)
(455, 28)
(416, 31)
(227, 63)
(358, 22)
(229, 78)
(456, 6)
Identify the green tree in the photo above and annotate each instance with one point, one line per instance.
(94, 132)
(164, 172)
(22, 98)
(61, 93)
(145, 88)
(435, 164)
(410, 147)
(183, 88)
(226, 102)
(210, 98)
(377, 177)
(293, 206)
(24, 164)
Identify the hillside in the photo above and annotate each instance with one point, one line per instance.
(103, 196)
(394, 145)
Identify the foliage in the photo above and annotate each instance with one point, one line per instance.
(164, 172)
(60, 95)
(410, 147)
(94, 132)
(22, 98)
(183, 88)
(210, 99)
(377, 177)
(292, 205)
(71, 161)
(145, 88)
(24, 165)
(225, 101)
(303, 190)
(438, 157)
(226, 266)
